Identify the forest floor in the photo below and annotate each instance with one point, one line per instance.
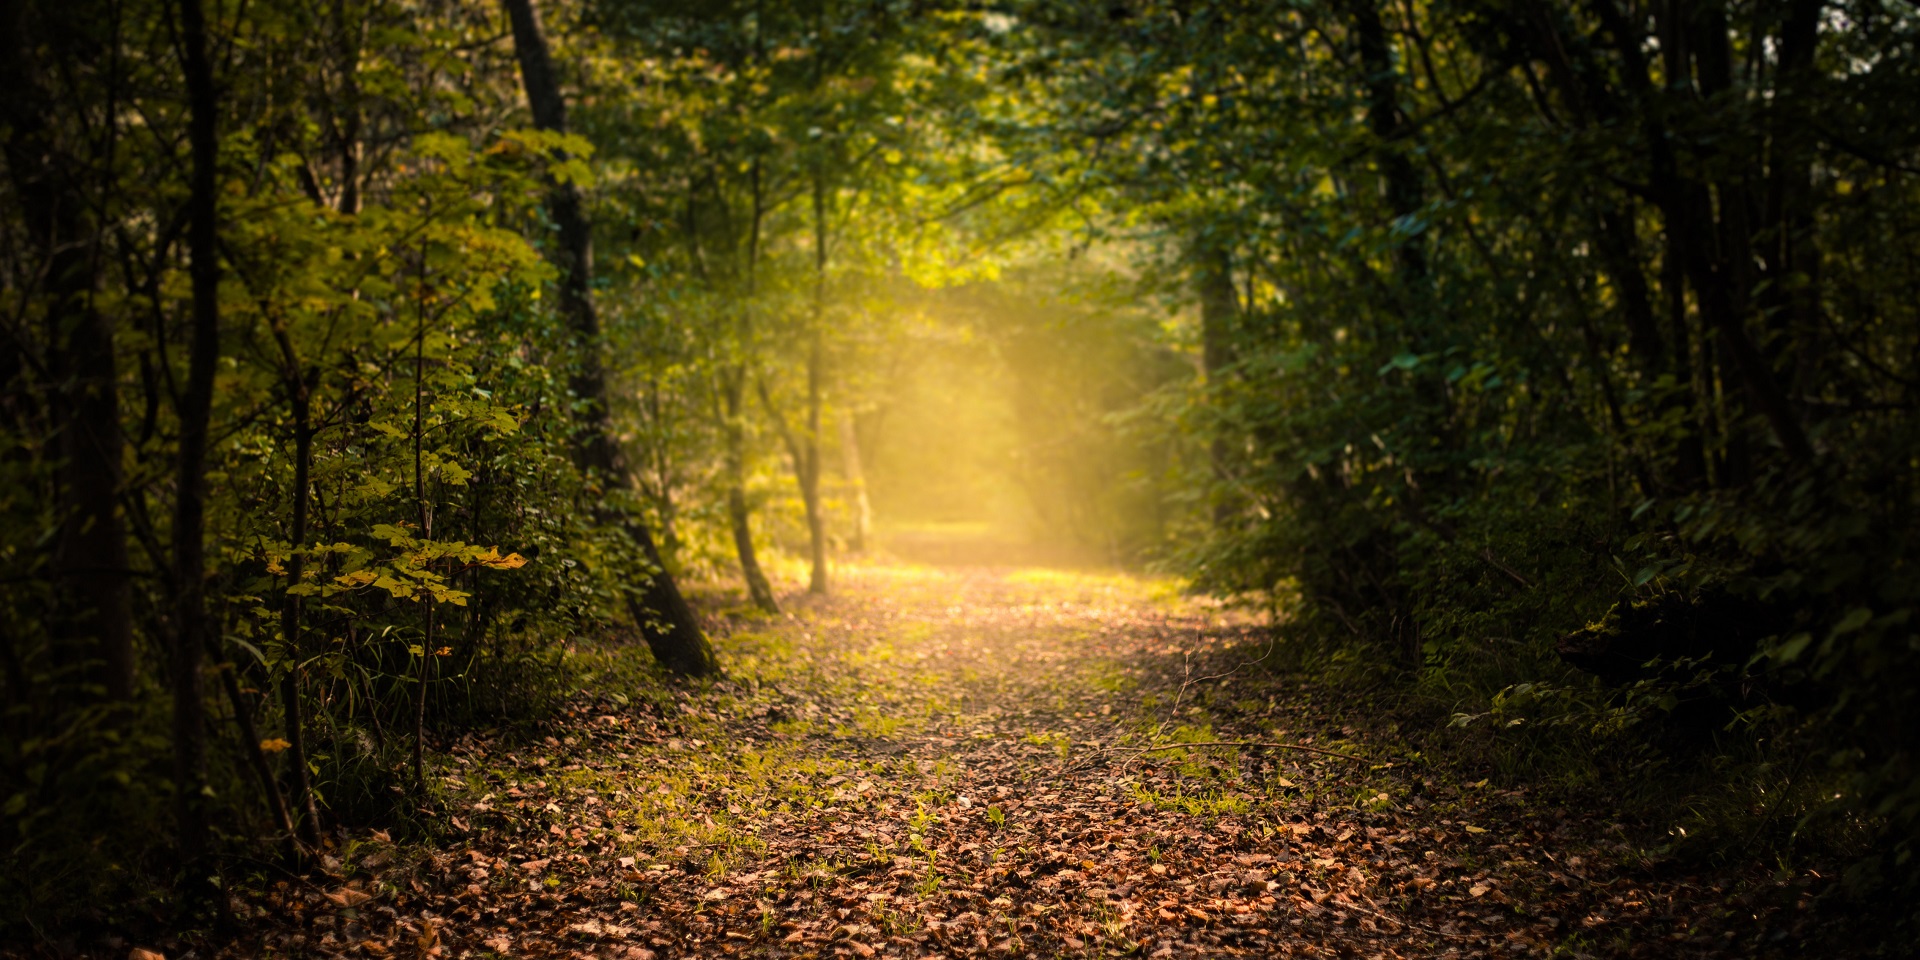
(947, 762)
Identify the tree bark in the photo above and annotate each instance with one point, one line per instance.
(734, 384)
(299, 781)
(668, 623)
(738, 515)
(1403, 189)
(190, 481)
(856, 477)
(1718, 250)
(809, 464)
(270, 794)
(1219, 305)
(93, 619)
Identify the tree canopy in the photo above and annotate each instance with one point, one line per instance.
(1557, 363)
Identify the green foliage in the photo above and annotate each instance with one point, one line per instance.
(1528, 311)
(1510, 314)
(384, 318)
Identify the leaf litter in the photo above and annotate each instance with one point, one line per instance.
(991, 763)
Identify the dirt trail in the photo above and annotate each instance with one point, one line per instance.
(946, 763)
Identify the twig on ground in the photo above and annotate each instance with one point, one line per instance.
(1269, 744)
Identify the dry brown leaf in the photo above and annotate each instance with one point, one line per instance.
(348, 897)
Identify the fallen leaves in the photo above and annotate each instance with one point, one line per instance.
(940, 764)
(348, 897)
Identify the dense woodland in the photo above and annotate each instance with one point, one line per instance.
(1547, 372)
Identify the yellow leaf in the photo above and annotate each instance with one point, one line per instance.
(358, 578)
(274, 745)
(493, 560)
(1473, 829)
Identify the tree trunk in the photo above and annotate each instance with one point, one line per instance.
(809, 465)
(1790, 249)
(810, 481)
(1403, 189)
(299, 782)
(196, 412)
(738, 516)
(1719, 262)
(1219, 305)
(347, 53)
(93, 620)
(270, 794)
(856, 481)
(671, 629)
(1671, 354)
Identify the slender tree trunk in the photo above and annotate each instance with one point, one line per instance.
(292, 708)
(738, 516)
(421, 679)
(270, 794)
(190, 481)
(662, 470)
(662, 613)
(810, 489)
(424, 517)
(856, 481)
(734, 384)
(809, 465)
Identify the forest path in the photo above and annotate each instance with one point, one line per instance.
(943, 762)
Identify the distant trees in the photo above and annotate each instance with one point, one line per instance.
(783, 124)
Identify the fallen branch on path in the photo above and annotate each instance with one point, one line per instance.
(1269, 744)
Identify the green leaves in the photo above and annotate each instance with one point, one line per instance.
(422, 569)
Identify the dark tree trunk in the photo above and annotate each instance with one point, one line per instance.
(1403, 189)
(1657, 352)
(249, 732)
(1219, 306)
(94, 616)
(669, 624)
(196, 411)
(347, 53)
(1790, 250)
(1400, 179)
(1715, 252)
(298, 780)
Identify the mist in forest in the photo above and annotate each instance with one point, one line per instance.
(500, 434)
